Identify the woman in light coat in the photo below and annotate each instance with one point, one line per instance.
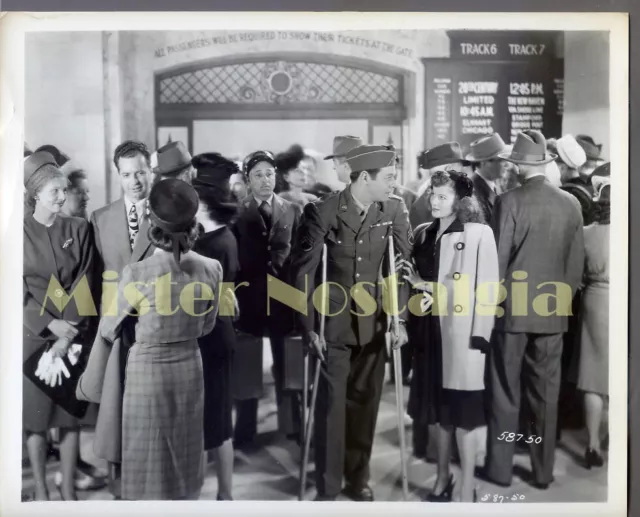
(456, 276)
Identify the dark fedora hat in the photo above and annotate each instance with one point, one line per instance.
(530, 148)
(255, 158)
(172, 158)
(370, 157)
(591, 149)
(441, 155)
(343, 144)
(213, 169)
(485, 148)
(173, 205)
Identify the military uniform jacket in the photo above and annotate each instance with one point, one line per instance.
(355, 253)
(263, 252)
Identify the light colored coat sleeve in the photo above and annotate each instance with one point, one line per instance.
(487, 285)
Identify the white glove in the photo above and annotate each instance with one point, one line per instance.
(58, 369)
(74, 353)
(43, 365)
(426, 302)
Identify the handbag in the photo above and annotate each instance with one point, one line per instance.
(64, 395)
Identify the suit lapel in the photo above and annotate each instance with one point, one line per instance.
(118, 230)
(278, 210)
(487, 192)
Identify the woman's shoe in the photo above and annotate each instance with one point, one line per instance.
(444, 496)
(593, 459)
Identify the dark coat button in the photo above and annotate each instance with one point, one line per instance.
(459, 245)
(456, 276)
(458, 308)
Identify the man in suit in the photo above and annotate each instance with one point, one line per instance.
(356, 225)
(488, 168)
(264, 231)
(120, 231)
(538, 230)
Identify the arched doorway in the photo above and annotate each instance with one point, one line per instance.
(242, 103)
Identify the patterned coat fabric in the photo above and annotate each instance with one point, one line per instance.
(162, 433)
(64, 253)
(539, 234)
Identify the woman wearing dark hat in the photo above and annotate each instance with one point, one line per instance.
(173, 297)
(60, 247)
(451, 337)
(217, 210)
(292, 177)
(593, 369)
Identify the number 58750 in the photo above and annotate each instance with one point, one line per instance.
(513, 437)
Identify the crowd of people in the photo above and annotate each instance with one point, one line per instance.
(502, 318)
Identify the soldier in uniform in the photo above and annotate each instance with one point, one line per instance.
(355, 224)
(264, 231)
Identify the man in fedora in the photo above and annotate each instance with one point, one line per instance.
(173, 161)
(356, 225)
(538, 230)
(488, 168)
(341, 146)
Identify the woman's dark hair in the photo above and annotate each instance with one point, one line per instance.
(162, 239)
(37, 182)
(129, 149)
(466, 206)
(58, 155)
(285, 162)
(221, 205)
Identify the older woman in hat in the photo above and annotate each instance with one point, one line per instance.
(593, 370)
(293, 176)
(171, 296)
(456, 251)
(60, 248)
(216, 212)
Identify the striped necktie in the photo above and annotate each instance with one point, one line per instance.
(133, 225)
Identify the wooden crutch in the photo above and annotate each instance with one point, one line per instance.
(314, 393)
(397, 368)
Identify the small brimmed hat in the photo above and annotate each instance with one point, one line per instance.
(570, 151)
(255, 158)
(485, 148)
(172, 158)
(591, 149)
(370, 157)
(173, 205)
(34, 162)
(530, 148)
(342, 145)
(441, 155)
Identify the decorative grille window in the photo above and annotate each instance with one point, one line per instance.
(280, 82)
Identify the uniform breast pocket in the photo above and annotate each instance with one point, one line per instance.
(339, 246)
